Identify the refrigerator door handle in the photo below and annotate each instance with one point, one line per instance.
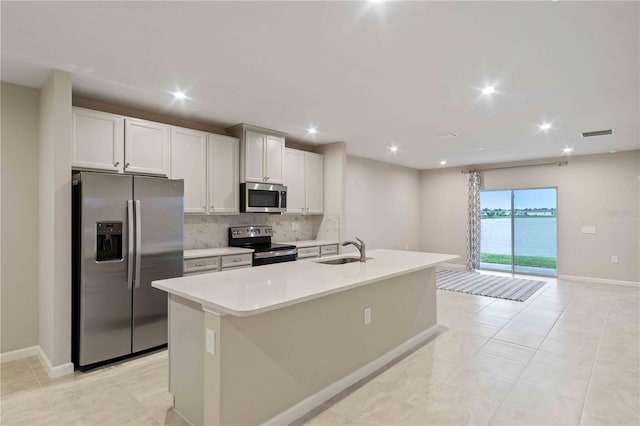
(138, 243)
(130, 244)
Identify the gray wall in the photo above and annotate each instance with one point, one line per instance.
(19, 204)
(596, 190)
(55, 218)
(383, 204)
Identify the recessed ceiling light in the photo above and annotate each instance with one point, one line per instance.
(443, 162)
(393, 148)
(488, 90)
(545, 126)
(613, 151)
(312, 130)
(179, 95)
(480, 148)
(448, 135)
(567, 150)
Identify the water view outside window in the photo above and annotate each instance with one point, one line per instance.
(519, 231)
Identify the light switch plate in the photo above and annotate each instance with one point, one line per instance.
(588, 229)
(367, 315)
(211, 341)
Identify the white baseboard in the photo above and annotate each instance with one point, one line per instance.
(18, 354)
(599, 280)
(451, 267)
(315, 400)
(54, 371)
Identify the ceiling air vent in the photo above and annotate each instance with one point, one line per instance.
(597, 133)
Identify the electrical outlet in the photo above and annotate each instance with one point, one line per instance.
(614, 259)
(211, 341)
(367, 315)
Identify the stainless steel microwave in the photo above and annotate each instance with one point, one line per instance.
(263, 198)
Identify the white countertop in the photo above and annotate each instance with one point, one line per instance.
(310, 243)
(251, 291)
(220, 251)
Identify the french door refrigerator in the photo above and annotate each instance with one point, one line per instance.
(127, 232)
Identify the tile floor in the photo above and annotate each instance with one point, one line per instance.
(568, 355)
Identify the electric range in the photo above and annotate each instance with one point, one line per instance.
(258, 238)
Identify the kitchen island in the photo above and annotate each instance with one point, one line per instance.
(267, 344)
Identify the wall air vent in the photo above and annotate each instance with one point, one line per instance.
(597, 133)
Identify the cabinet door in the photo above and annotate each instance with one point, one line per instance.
(224, 176)
(254, 156)
(274, 159)
(189, 162)
(314, 177)
(98, 140)
(147, 147)
(294, 180)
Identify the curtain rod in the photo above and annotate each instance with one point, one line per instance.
(555, 163)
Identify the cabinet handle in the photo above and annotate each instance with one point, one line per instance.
(211, 207)
(116, 164)
(126, 165)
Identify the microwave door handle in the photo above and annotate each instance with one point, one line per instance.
(138, 243)
(130, 244)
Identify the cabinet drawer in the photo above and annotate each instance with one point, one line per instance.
(308, 252)
(201, 264)
(330, 249)
(236, 260)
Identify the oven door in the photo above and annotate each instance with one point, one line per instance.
(263, 198)
(276, 256)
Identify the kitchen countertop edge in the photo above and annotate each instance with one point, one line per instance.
(191, 288)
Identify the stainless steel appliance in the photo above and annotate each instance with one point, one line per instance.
(258, 238)
(263, 198)
(127, 231)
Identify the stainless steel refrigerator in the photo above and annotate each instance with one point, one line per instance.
(127, 232)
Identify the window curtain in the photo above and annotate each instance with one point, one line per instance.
(473, 221)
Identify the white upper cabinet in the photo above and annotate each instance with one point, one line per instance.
(189, 162)
(274, 159)
(147, 147)
(304, 177)
(223, 180)
(98, 140)
(254, 156)
(294, 180)
(314, 183)
(261, 154)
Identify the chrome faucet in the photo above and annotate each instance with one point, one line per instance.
(360, 246)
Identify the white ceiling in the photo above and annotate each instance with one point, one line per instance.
(369, 74)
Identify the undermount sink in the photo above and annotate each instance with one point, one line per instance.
(342, 260)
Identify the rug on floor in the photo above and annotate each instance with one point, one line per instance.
(471, 282)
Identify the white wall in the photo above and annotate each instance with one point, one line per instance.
(55, 219)
(19, 205)
(596, 190)
(383, 204)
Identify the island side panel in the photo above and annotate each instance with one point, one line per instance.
(271, 361)
(186, 358)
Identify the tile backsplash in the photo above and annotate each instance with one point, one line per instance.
(202, 231)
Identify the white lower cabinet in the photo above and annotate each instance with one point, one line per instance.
(208, 163)
(317, 251)
(206, 265)
(304, 177)
(308, 252)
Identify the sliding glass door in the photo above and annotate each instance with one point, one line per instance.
(519, 231)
